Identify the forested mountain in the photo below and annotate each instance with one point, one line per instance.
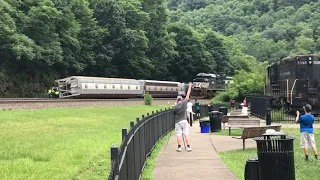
(43, 40)
(268, 29)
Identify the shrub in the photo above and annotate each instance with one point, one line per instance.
(148, 99)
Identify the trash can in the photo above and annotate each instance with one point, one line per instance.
(223, 110)
(251, 171)
(276, 156)
(215, 121)
(204, 125)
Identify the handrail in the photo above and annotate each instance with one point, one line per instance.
(294, 84)
(287, 89)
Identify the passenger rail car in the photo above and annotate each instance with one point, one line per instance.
(98, 87)
(294, 82)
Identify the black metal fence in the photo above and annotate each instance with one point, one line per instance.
(128, 161)
(258, 105)
(266, 108)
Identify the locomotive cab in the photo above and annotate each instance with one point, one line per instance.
(295, 81)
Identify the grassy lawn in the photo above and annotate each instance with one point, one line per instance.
(151, 161)
(71, 143)
(236, 160)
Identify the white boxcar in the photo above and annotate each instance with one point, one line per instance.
(99, 87)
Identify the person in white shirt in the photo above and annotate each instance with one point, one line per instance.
(189, 110)
(244, 110)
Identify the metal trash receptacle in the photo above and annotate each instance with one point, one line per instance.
(215, 121)
(276, 156)
(251, 171)
(223, 110)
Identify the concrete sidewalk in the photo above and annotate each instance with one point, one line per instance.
(202, 163)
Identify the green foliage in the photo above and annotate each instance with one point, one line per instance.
(148, 99)
(245, 82)
(193, 56)
(268, 29)
(43, 40)
(151, 161)
(236, 160)
(56, 144)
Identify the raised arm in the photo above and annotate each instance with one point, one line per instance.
(189, 91)
(297, 117)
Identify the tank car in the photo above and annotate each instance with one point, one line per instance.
(164, 88)
(294, 81)
(98, 87)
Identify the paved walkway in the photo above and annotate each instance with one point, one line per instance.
(202, 163)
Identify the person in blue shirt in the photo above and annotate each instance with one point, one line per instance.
(306, 129)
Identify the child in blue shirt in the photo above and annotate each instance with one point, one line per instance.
(306, 129)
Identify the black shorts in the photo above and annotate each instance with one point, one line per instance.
(197, 111)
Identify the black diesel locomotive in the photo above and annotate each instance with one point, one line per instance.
(207, 85)
(294, 82)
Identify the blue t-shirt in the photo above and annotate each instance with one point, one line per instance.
(306, 123)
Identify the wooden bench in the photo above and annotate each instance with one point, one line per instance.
(242, 123)
(252, 132)
(225, 118)
(236, 113)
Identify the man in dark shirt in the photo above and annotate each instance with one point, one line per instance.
(306, 129)
(197, 105)
(181, 122)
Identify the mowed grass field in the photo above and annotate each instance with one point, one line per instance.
(71, 143)
(304, 170)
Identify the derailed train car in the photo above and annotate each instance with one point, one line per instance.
(99, 87)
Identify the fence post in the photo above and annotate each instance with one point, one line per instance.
(124, 133)
(190, 119)
(156, 127)
(114, 158)
(132, 124)
(268, 117)
(137, 119)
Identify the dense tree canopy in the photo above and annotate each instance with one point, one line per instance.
(43, 40)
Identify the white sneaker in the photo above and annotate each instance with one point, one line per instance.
(179, 149)
(189, 149)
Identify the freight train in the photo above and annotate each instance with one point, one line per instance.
(207, 85)
(99, 87)
(294, 81)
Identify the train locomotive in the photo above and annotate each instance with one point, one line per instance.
(207, 85)
(99, 87)
(293, 82)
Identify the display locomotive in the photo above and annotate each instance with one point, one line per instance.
(294, 82)
(207, 85)
(99, 87)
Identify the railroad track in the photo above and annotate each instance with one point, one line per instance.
(24, 100)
